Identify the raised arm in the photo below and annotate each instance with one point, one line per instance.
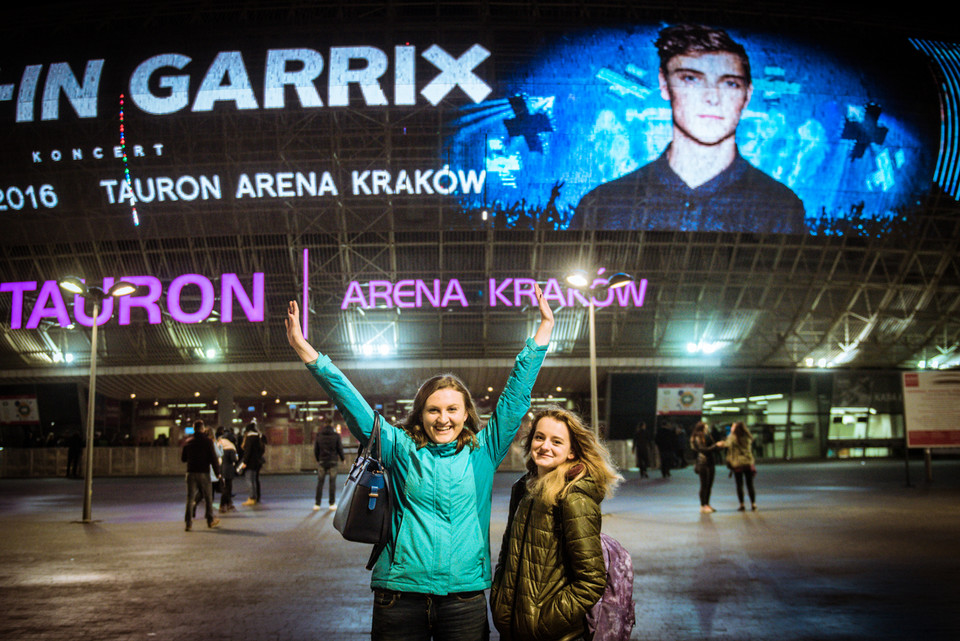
(515, 398)
(295, 334)
(351, 404)
(542, 337)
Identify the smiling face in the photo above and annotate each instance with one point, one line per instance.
(444, 414)
(707, 93)
(550, 444)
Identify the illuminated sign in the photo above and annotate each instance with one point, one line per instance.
(509, 292)
(156, 87)
(679, 399)
(589, 129)
(49, 302)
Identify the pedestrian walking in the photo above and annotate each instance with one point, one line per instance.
(253, 458)
(641, 446)
(228, 470)
(666, 440)
(328, 451)
(200, 456)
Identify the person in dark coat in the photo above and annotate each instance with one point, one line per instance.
(641, 444)
(666, 440)
(228, 470)
(74, 450)
(328, 450)
(200, 456)
(253, 457)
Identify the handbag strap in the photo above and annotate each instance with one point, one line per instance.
(373, 445)
(377, 485)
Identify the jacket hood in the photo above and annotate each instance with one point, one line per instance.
(587, 486)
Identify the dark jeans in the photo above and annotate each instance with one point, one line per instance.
(322, 472)
(254, 477)
(199, 481)
(739, 478)
(707, 472)
(411, 616)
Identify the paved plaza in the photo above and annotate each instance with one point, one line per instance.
(841, 550)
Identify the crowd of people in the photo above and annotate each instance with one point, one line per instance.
(214, 458)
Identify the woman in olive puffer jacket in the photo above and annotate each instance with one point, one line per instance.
(551, 571)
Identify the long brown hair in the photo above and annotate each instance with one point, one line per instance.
(413, 423)
(741, 433)
(699, 432)
(590, 458)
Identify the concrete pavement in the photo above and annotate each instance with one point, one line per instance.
(838, 550)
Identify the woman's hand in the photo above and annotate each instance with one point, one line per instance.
(542, 337)
(295, 335)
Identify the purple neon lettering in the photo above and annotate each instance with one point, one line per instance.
(403, 290)
(497, 292)
(206, 298)
(433, 297)
(603, 302)
(50, 291)
(524, 287)
(230, 286)
(106, 311)
(379, 289)
(576, 294)
(16, 303)
(552, 292)
(305, 306)
(354, 295)
(454, 292)
(148, 301)
(634, 291)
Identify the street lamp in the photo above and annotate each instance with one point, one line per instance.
(580, 280)
(74, 285)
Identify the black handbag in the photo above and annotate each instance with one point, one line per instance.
(364, 510)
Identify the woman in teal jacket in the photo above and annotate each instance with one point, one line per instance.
(430, 579)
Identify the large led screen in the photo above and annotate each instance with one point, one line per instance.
(651, 127)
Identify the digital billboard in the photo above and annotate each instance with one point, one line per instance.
(633, 127)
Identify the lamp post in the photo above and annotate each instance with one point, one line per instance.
(581, 281)
(74, 285)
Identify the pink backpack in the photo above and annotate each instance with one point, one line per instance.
(613, 618)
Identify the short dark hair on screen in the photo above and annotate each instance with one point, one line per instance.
(684, 39)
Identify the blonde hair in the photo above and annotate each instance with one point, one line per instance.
(590, 458)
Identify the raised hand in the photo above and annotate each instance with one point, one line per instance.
(542, 337)
(295, 334)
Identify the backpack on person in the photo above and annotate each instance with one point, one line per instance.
(612, 618)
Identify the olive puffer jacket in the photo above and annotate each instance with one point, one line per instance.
(550, 572)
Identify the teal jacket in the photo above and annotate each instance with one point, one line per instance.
(441, 522)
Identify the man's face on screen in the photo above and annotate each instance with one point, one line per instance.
(707, 93)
